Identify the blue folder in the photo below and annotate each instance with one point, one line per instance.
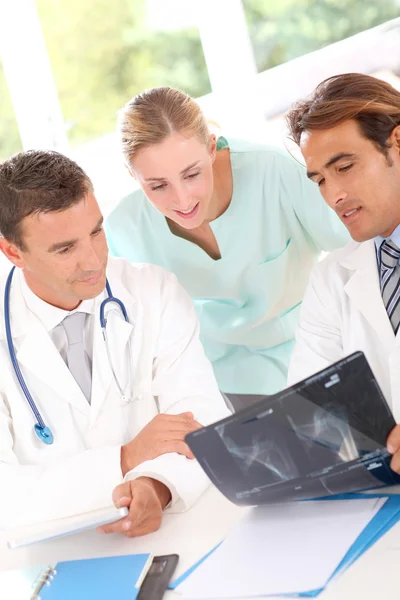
(100, 578)
(387, 516)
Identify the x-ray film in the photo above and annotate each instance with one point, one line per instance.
(323, 436)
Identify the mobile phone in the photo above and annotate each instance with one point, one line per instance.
(158, 577)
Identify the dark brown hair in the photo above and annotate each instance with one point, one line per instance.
(37, 181)
(373, 103)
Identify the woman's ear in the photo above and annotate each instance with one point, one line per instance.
(213, 146)
(130, 170)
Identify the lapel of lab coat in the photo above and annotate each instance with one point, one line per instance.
(119, 333)
(363, 289)
(38, 355)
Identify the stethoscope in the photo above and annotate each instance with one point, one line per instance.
(42, 431)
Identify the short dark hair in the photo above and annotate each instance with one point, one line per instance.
(37, 181)
(371, 102)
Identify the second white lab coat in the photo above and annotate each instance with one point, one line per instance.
(79, 471)
(343, 312)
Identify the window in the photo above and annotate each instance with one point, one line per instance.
(104, 53)
(10, 142)
(281, 31)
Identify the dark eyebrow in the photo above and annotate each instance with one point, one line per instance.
(181, 173)
(331, 161)
(64, 244)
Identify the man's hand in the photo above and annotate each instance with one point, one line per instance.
(145, 498)
(164, 433)
(393, 447)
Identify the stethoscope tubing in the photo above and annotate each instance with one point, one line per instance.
(41, 430)
(103, 320)
(13, 356)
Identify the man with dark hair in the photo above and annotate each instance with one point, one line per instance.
(349, 135)
(88, 416)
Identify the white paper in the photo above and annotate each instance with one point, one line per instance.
(282, 549)
(32, 534)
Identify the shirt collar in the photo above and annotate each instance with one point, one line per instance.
(49, 315)
(395, 237)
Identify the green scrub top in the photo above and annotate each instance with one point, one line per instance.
(269, 237)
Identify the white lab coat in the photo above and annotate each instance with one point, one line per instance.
(80, 470)
(343, 312)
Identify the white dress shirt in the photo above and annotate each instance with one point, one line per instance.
(52, 317)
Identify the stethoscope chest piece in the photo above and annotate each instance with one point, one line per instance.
(44, 434)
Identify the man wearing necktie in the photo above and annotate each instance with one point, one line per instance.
(349, 134)
(119, 412)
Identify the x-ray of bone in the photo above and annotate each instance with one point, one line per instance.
(262, 449)
(288, 439)
(323, 436)
(327, 429)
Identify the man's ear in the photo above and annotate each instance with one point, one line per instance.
(395, 139)
(12, 252)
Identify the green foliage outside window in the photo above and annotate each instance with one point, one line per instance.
(282, 30)
(9, 136)
(102, 53)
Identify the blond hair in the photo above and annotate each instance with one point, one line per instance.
(150, 117)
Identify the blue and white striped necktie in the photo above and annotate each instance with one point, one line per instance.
(390, 281)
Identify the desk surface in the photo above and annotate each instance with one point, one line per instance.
(192, 534)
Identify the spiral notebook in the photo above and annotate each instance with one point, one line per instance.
(100, 578)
